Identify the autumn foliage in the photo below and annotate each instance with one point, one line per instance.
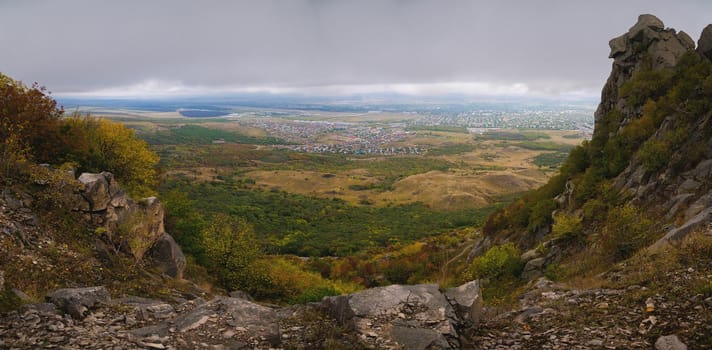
(33, 129)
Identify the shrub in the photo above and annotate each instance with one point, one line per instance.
(113, 147)
(626, 231)
(654, 154)
(313, 294)
(231, 250)
(498, 261)
(540, 215)
(567, 228)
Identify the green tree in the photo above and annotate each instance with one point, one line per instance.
(232, 250)
(499, 261)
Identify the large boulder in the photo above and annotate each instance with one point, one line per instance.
(412, 317)
(98, 191)
(168, 256)
(77, 301)
(467, 301)
(704, 44)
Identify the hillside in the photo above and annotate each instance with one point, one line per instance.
(627, 220)
(615, 251)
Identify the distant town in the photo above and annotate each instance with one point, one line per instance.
(378, 137)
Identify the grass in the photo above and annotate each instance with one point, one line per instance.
(514, 135)
(194, 134)
(550, 160)
(544, 146)
(442, 128)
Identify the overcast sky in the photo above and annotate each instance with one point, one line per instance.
(498, 47)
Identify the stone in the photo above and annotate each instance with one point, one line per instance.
(669, 342)
(686, 40)
(259, 322)
(467, 301)
(427, 314)
(533, 268)
(677, 234)
(529, 255)
(527, 313)
(240, 294)
(703, 170)
(168, 256)
(97, 190)
(76, 301)
(124, 221)
(704, 44)
(147, 307)
(418, 338)
(595, 343)
(688, 186)
(646, 25)
(47, 308)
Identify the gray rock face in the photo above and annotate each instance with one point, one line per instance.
(646, 38)
(98, 191)
(257, 321)
(678, 233)
(669, 342)
(77, 301)
(147, 308)
(704, 44)
(168, 256)
(131, 226)
(533, 268)
(414, 317)
(664, 46)
(467, 301)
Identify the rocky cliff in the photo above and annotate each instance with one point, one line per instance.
(632, 212)
(677, 190)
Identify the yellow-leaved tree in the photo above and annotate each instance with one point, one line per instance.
(115, 148)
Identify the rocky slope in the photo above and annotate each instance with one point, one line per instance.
(678, 191)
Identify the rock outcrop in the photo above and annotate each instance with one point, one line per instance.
(129, 226)
(677, 193)
(704, 44)
(646, 41)
(168, 256)
(467, 302)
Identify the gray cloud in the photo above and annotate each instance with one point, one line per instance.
(114, 47)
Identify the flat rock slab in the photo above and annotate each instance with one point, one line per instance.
(413, 317)
(252, 321)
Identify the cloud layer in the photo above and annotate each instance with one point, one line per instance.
(505, 47)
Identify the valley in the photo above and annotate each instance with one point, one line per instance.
(309, 179)
(300, 199)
